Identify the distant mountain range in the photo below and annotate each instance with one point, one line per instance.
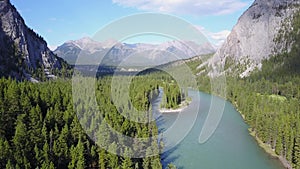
(23, 53)
(259, 34)
(113, 53)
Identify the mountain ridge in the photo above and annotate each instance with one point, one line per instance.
(255, 37)
(24, 53)
(157, 53)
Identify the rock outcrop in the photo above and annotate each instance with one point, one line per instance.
(255, 36)
(22, 51)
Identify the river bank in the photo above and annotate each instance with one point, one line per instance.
(181, 107)
(266, 147)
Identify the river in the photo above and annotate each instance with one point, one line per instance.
(230, 147)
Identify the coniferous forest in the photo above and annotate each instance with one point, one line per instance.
(39, 127)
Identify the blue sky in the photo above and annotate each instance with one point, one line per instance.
(60, 21)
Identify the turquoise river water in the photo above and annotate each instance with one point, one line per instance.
(230, 147)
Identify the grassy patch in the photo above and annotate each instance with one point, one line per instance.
(274, 97)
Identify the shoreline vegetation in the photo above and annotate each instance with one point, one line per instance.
(266, 147)
(184, 104)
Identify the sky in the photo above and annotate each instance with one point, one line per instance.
(58, 21)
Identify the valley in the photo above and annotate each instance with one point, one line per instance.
(145, 105)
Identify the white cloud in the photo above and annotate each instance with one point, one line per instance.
(220, 37)
(216, 38)
(189, 7)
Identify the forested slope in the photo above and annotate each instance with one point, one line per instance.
(269, 99)
(39, 127)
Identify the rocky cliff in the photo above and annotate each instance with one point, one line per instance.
(256, 36)
(22, 51)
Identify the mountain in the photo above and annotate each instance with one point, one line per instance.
(258, 35)
(154, 54)
(23, 53)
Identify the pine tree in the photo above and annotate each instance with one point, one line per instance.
(12, 98)
(51, 165)
(155, 163)
(127, 163)
(25, 102)
(4, 153)
(27, 164)
(77, 156)
(35, 125)
(44, 132)
(113, 161)
(102, 159)
(38, 155)
(76, 130)
(60, 148)
(20, 141)
(9, 165)
(146, 163)
(46, 152)
(73, 155)
(81, 152)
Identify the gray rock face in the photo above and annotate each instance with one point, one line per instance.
(253, 38)
(20, 44)
(155, 54)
